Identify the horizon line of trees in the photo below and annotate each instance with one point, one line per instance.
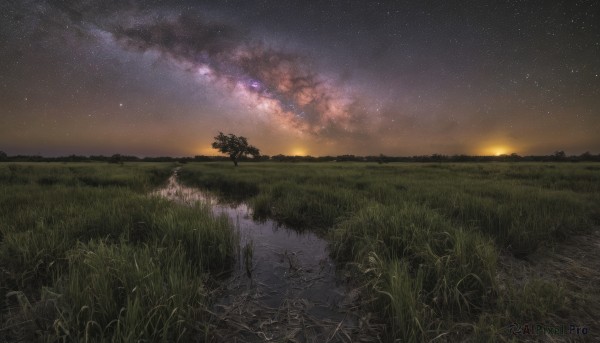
(558, 156)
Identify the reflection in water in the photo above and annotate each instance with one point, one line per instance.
(282, 284)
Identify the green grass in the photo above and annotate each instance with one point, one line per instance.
(426, 238)
(86, 254)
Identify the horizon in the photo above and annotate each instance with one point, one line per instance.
(305, 156)
(298, 78)
(490, 152)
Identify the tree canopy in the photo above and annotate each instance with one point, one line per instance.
(234, 146)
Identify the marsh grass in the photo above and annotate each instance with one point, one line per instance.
(248, 253)
(425, 239)
(87, 255)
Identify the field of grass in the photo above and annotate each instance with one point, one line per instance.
(87, 255)
(428, 239)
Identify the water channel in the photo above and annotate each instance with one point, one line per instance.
(284, 286)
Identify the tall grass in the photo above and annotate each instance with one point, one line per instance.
(427, 237)
(87, 255)
(126, 293)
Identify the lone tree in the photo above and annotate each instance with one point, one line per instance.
(234, 146)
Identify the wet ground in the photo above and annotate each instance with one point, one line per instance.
(574, 265)
(284, 286)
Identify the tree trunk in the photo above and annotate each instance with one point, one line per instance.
(233, 159)
(236, 157)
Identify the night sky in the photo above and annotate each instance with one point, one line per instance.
(300, 77)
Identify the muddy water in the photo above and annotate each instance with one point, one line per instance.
(285, 289)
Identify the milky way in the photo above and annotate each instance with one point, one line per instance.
(279, 83)
(404, 78)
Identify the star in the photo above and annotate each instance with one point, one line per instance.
(333, 76)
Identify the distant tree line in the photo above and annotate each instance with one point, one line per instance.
(558, 156)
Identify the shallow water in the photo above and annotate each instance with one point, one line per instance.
(291, 290)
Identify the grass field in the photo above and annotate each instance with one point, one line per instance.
(441, 250)
(86, 254)
(432, 242)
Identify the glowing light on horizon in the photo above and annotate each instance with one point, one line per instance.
(299, 152)
(497, 150)
(206, 151)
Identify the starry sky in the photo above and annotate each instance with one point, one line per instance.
(153, 78)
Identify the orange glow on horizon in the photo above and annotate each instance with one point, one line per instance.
(206, 150)
(497, 150)
(297, 151)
